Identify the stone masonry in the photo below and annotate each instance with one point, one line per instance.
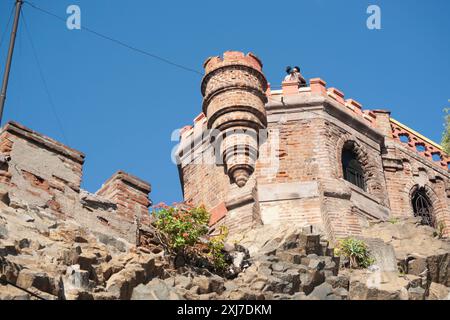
(298, 176)
(39, 174)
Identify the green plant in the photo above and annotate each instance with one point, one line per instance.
(183, 231)
(356, 251)
(440, 230)
(216, 245)
(181, 227)
(393, 220)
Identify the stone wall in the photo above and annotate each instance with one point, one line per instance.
(38, 173)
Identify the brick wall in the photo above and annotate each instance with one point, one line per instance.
(299, 176)
(39, 173)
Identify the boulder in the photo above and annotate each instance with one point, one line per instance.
(321, 292)
(365, 285)
(416, 293)
(156, 289)
(121, 284)
(40, 280)
(437, 291)
(9, 292)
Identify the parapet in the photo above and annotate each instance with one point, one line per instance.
(232, 58)
(39, 173)
(129, 193)
(43, 141)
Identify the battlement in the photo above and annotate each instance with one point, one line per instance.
(318, 87)
(39, 173)
(233, 58)
(44, 141)
(419, 144)
(302, 173)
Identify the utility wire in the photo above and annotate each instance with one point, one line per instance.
(6, 27)
(44, 82)
(119, 42)
(123, 44)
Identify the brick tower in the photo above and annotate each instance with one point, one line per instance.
(234, 98)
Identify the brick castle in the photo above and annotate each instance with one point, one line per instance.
(321, 159)
(303, 154)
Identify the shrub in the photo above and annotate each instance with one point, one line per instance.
(181, 227)
(216, 245)
(183, 230)
(439, 233)
(446, 134)
(394, 220)
(356, 251)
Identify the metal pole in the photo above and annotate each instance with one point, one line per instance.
(9, 58)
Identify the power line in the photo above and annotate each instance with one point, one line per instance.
(44, 82)
(125, 45)
(119, 42)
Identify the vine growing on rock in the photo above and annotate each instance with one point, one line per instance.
(183, 231)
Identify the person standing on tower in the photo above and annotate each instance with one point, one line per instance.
(293, 74)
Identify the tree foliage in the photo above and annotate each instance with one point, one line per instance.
(446, 135)
(183, 230)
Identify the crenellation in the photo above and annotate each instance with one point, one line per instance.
(39, 172)
(299, 175)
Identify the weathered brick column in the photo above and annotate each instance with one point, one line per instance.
(234, 98)
(129, 193)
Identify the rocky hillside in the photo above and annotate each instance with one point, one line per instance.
(42, 257)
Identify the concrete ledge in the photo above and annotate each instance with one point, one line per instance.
(287, 191)
(46, 142)
(129, 179)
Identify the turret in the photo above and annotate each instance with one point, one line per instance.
(234, 103)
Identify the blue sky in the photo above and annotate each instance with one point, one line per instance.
(120, 107)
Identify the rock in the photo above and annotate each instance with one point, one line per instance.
(228, 247)
(292, 279)
(316, 264)
(340, 281)
(121, 284)
(155, 290)
(30, 278)
(321, 292)
(416, 293)
(78, 294)
(309, 280)
(183, 282)
(3, 231)
(341, 292)
(76, 278)
(104, 296)
(147, 262)
(383, 254)
(202, 283)
(439, 268)
(114, 242)
(8, 292)
(377, 286)
(86, 260)
(208, 284)
(7, 248)
(438, 291)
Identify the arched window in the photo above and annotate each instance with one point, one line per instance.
(351, 167)
(422, 206)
